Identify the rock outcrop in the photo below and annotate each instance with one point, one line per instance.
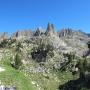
(4, 36)
(2, 87)
(40, 31)
(50, 29)
(75, 40)
(73, 34)
(65, 32)
(22, 34)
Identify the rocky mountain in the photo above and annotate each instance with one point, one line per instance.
(40, 31)
(50, 29)
(88, 35)
(66, 40)
(22, 34)
(44, 57)
(75, 39)
(4, 36)
(73, 33)
(66, 32)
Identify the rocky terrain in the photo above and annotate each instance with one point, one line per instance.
(46, 57)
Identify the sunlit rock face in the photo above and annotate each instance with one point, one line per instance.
(39, 32)
(74, 34)
(4, 36)
(76, 40)
(65, 32)
(50, 29)
(22, 34)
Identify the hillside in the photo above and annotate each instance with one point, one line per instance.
(45, 59)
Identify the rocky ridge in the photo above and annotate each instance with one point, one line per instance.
(67, 40)
(52, 49)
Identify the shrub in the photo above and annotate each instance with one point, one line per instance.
(17, 62)
(84, 69)
(41, 52)
(67, 64)
(4, 43)
(18, 47)
(88, 44)
(7, 43)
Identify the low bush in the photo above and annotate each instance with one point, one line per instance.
(41, 52)
(17, 62)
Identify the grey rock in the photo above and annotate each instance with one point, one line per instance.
(50, 29)
(22, 34)
(40, 31)
(65, 32)
(7, 88)
(4, 36)
(12, 88)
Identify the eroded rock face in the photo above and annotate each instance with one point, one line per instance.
(73, 34)
(22, 34)
(50, 29)
(65, 32)
(4, 36)
(40, 31)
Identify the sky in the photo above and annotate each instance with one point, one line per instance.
(30, 14)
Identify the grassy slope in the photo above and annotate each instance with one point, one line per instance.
(12, 77)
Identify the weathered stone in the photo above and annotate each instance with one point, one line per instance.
(40, 31)
(2, 87)
(65, 32)
(50, 29)
(22, 34)
(4, 36)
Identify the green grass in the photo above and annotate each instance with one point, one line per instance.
(12, 77)
(66, 76)
(46, 83)
(50, 81)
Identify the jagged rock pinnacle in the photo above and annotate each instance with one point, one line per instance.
(22, 34)
(39, 31)
(65, 32)
(4, 36)
(50, 29)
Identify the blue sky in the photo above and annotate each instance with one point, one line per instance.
(30, 14)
